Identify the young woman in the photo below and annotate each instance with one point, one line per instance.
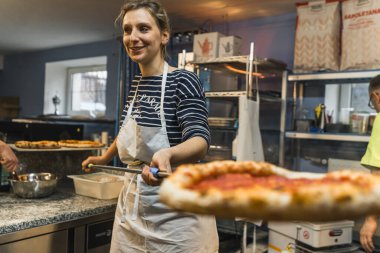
(164, 124)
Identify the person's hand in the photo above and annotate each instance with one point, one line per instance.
(99, 160)
(160, 160)
(367, 232)
(8, 159)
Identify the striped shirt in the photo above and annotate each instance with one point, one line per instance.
(184, 105)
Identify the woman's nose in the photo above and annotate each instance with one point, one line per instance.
(133, 36)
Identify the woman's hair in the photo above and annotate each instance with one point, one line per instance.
(156, 11)
(374, 84)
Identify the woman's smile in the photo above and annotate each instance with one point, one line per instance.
(136, 49)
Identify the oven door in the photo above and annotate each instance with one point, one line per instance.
(99, 237)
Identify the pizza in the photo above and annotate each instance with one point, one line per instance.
(37, 144)
(80, 144)
(260, 190)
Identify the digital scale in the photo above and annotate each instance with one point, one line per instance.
(315, 237)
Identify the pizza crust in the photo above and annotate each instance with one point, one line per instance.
(80, 144)
(37, 144)
(44, 144)
(357, 195)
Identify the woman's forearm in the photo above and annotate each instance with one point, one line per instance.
(189, 151)
(111, 152)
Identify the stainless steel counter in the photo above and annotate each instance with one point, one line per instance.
(61, 210)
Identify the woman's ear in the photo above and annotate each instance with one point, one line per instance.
(165, 37)
(376, 97)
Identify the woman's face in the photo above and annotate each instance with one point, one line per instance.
(142, 37)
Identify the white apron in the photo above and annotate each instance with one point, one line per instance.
(142, 222)
(249, 148)
(249, 143)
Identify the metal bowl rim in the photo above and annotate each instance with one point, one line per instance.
(30, 177)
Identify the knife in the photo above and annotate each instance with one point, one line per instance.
(155, 171)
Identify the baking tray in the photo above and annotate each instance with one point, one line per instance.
(92, 185)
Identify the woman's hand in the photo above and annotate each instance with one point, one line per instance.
(367, 232)
(161, 160)
(7, 158)
(99, 160)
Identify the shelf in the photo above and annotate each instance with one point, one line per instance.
(265, 96)
(52, 149)
(337, 77)
(239, 63)
(238, 60)
(225, 94)
(328, 136)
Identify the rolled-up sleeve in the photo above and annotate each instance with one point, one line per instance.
(192, 111)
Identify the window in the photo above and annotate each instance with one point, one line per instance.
(87, 91)
(342, 99)
(69, 91)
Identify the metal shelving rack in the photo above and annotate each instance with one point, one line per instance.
(319, 79)
(247, 66)
(233, 65)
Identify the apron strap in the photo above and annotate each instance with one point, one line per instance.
(123, 217)
(136, 202)
(163, 83)
(129, 112)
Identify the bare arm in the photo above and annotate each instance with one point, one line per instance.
(367, 232)
(189, 151)
(7, 158)
(103, 159)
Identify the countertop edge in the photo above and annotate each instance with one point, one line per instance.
(32, 231)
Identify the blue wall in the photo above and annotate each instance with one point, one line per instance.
(24, 74)
(273, 36)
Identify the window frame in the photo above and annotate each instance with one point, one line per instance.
(69, 87)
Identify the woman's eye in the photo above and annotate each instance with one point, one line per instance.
(144, 29)
(127, 30)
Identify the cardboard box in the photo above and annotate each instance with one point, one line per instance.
(206, 45)
(230, 46)
(9, 107)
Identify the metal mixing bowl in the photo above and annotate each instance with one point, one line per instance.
(34, 185)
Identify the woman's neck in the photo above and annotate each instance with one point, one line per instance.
(152, 68)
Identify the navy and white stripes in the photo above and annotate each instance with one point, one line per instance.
(184, 105)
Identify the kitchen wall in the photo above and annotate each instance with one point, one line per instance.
(24, 74)
(273, 36)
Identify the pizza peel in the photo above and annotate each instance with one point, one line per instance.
(155, 171)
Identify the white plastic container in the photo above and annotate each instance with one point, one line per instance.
(98, 185)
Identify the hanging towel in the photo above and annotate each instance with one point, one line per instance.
(249, 143)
